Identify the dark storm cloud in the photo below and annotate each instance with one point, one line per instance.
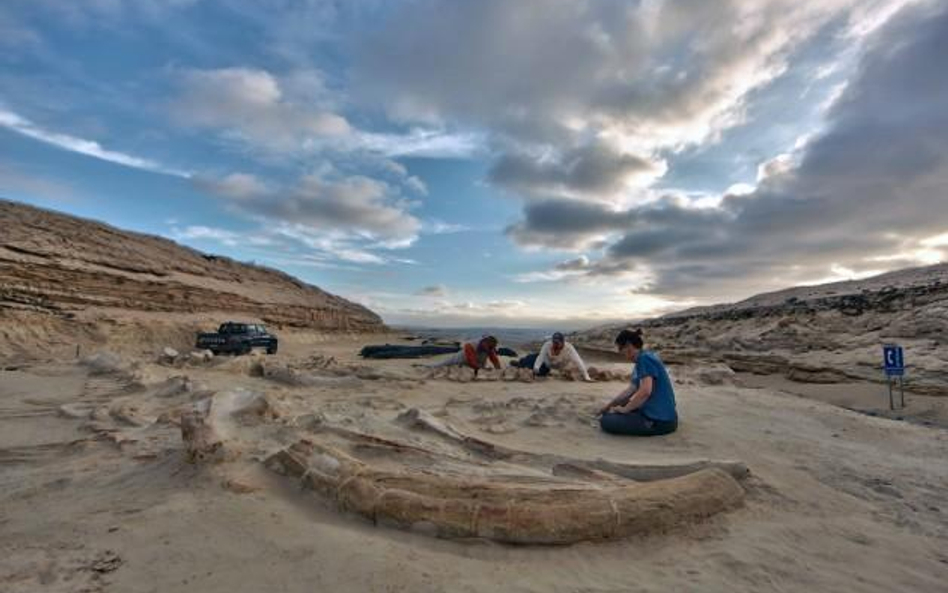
(874, 183)
(436, 290)
(595, 170)
(573, 265)
(565, 224)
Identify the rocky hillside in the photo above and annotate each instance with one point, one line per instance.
(826, 333)
(67, 280)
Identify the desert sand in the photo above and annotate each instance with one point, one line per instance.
(98, 492)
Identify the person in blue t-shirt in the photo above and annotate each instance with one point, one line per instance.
(647, 406)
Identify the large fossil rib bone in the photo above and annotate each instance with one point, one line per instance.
(502, 508)
(468, 487)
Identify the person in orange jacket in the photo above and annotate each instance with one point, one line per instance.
(474, 355)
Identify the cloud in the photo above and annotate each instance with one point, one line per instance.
(573, 265)
(355, 204)
(439, 227)
(586, 271)
(318, 206)
(286, 244)
(199, 232)
(395, 172)
(595, 171)
(567, 224)
(320, 246)
(417, 142)
(25, 127)
(230, 238)
(253, 106)
(585, 105)
(416, 185)
(237, 186)
(872, 184)
(296, 114)
(546, 73)
(437, 290)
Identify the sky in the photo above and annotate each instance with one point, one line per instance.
(539, 163)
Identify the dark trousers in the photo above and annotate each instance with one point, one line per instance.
(635, 424)
(528, 361)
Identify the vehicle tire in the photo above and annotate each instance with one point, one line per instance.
(272, 349)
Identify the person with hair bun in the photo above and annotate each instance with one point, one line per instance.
(647, 406)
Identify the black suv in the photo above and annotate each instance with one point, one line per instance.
(238, 338)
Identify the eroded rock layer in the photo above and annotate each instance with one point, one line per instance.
(58, 272)
(819, 334)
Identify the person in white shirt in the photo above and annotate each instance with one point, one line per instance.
(557, 353)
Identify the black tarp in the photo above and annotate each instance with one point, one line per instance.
(398, 351)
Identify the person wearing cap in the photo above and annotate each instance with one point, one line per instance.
(474, 355)
(556, 353)
(647, 406)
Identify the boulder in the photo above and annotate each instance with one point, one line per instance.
(202, 442)
(173, 386)
(77, 410)
(248, 405)
(714, 374)
(201, 356)
(169, 355)
(597, 374)
(105, 363)
(294, 378)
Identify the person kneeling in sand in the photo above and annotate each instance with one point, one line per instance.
(647, 406)
(473, 355)
(558, 354)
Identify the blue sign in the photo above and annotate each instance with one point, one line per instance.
(892, 360)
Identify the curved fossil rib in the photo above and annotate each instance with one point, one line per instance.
(644, 472)
(531, 510)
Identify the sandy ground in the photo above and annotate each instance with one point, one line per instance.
(838, 500)
(861, 396)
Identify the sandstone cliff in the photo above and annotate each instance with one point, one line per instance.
(826, 333)
(65, 280)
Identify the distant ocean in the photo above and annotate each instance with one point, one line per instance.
(507, 336)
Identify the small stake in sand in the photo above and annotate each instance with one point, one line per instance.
(893, 362)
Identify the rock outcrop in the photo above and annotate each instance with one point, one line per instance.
(63, 279)
(818, 334)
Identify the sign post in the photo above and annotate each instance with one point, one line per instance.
(893, 361)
